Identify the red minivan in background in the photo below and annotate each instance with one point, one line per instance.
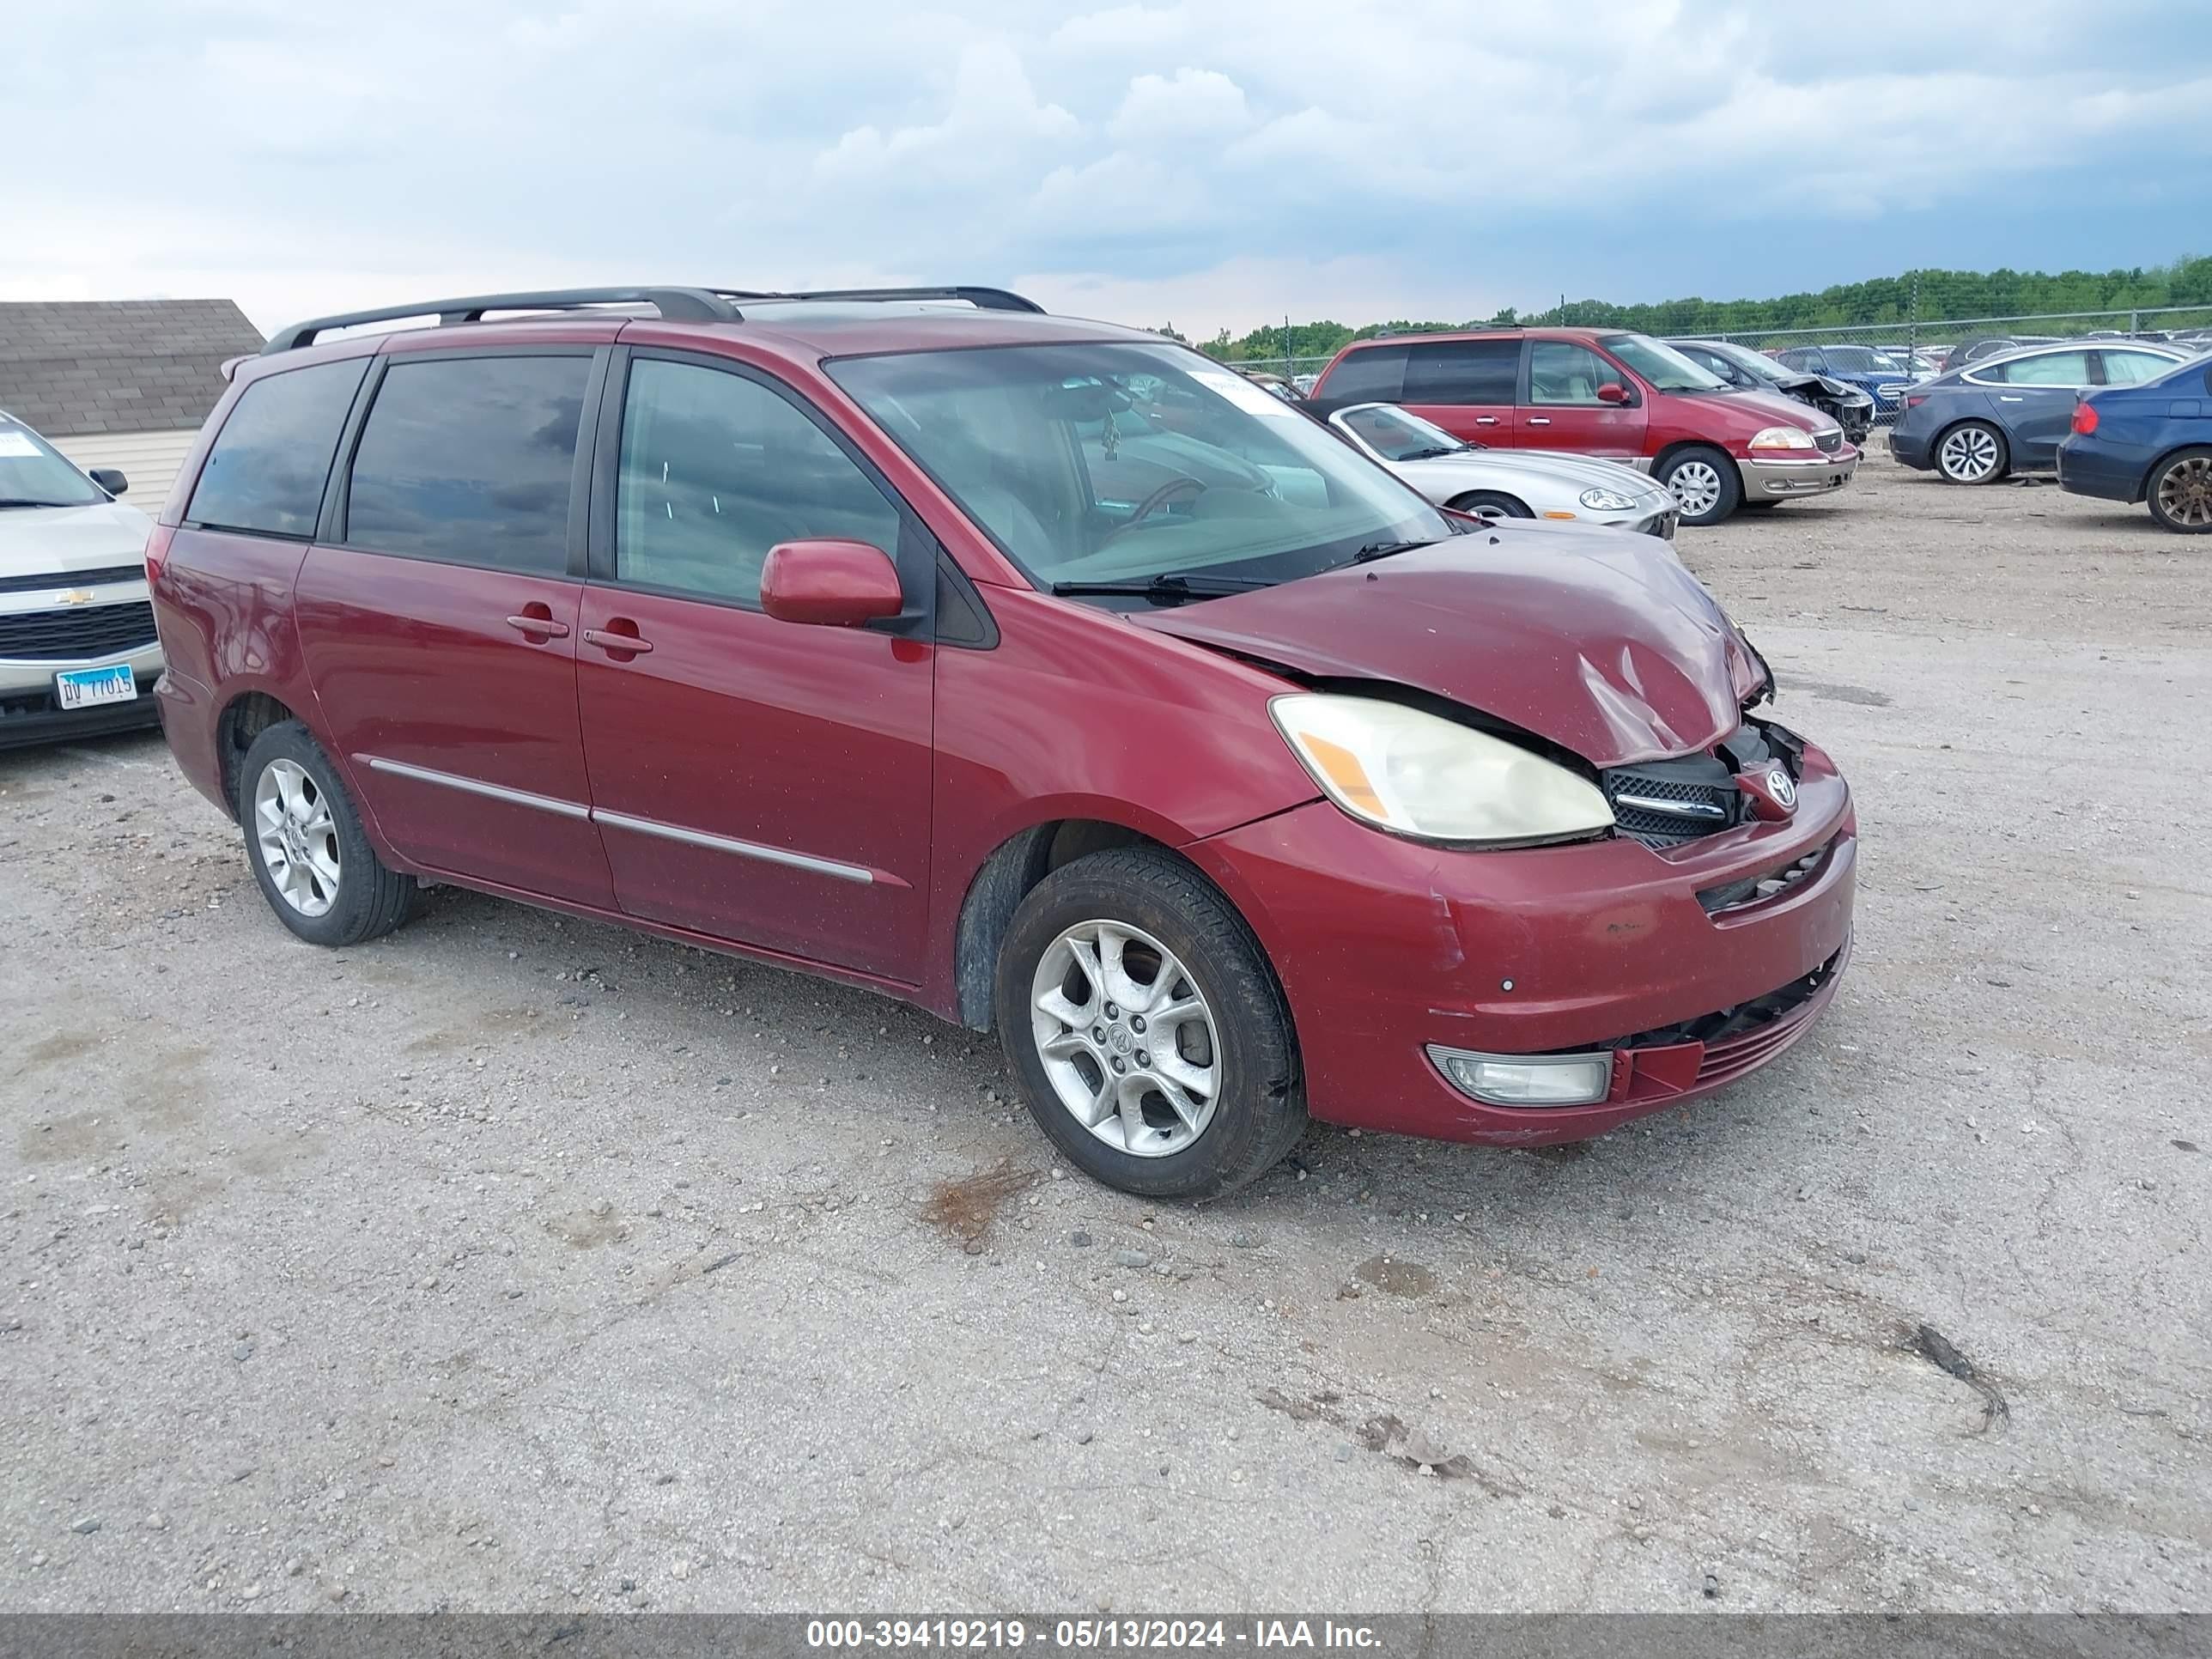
(846, 632)
(1625, 396)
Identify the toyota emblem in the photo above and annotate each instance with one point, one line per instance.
(1778, 785)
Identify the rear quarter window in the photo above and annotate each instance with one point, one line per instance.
(1375, 374)
(265, 471)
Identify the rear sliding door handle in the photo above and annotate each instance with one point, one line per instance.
(625, 644)
(543, 627)
(1539, 419)
(1486, 420)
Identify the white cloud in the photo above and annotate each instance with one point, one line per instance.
(1215, 163)
(1196, 105)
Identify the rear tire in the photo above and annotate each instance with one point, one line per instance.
(1182, 956)
(1493, 501)
(1704, 484)
(1972, 453)
(2180, 492)
(304, 840)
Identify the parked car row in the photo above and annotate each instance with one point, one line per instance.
(1717, 446)
(1056, 679)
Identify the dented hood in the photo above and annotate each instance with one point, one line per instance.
(1598, 640)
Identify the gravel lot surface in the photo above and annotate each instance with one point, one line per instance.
(517, 1262)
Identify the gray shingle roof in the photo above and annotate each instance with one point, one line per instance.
(68, 368)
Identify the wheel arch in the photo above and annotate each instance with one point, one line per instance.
(2143, 485)
(1007, 876)
(244, 718)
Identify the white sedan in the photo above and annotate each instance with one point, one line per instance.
(1514, 484)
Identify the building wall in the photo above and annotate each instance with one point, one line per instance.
(148, 459)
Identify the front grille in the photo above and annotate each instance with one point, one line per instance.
(33, 584)
(1660, 810)
(64, 633)
(1829, 442)
(1665, 803)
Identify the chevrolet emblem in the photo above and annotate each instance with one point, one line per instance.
(75, 596)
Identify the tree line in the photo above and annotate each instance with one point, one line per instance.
(1921, 296)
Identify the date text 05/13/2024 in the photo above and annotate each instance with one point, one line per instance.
(1086, 1635)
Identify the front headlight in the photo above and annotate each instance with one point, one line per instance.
(1607, 501)
(1417, 773)
(1782, 437)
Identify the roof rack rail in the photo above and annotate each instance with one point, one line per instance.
(689, 305)
(983, 298)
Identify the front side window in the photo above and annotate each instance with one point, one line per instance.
(1563, 373)
(266, 471)
(1248, 487)
(2067, 369)
(717, 469)
(467, 460)
(1660, 364)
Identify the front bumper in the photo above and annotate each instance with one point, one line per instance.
(1385, 946)
(1767, 478)
(30, 711)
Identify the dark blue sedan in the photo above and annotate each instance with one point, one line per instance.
(2151, 442)
(2005, 414)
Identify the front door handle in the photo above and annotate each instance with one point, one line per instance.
(1486, 420)
(1539, 419)
(621, 640)
(540, 629)
(2003, 400)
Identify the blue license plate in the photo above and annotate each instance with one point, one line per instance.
(85, 688)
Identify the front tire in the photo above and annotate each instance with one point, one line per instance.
(2180, 492)
(304, 840)
(1972, 453)
(1704, 484)
(1151, 1042)
(1493, 500)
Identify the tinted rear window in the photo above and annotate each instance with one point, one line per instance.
(266, 471)
(468, 459)
(1374, 375)
(1463, 372)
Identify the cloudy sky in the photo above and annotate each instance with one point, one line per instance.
(1209, 163)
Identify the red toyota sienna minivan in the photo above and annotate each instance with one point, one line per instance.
(886, 635)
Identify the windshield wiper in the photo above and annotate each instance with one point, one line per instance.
(1174, 588)
(25, 500)
(1375, 550)
(1432, 452)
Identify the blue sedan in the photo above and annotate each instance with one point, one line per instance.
(2005, 414)
(2152, 443)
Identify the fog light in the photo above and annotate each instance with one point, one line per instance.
(1526, 1080)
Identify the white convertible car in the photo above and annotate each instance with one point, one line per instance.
(1515, 483)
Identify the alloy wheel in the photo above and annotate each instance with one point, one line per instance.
(1127, 1038)
(2184, 492)
(297, 836)
(1968, 455)
(1696, 486)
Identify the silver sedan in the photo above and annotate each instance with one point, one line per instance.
(1514, 484)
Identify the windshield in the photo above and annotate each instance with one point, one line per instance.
(1397, 436)
(1661, 365)
(1756, 364)
(33, 473)
(1107, 461)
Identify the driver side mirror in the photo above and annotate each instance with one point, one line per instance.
(1615, 393)
(835, 584)
(109, 479)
